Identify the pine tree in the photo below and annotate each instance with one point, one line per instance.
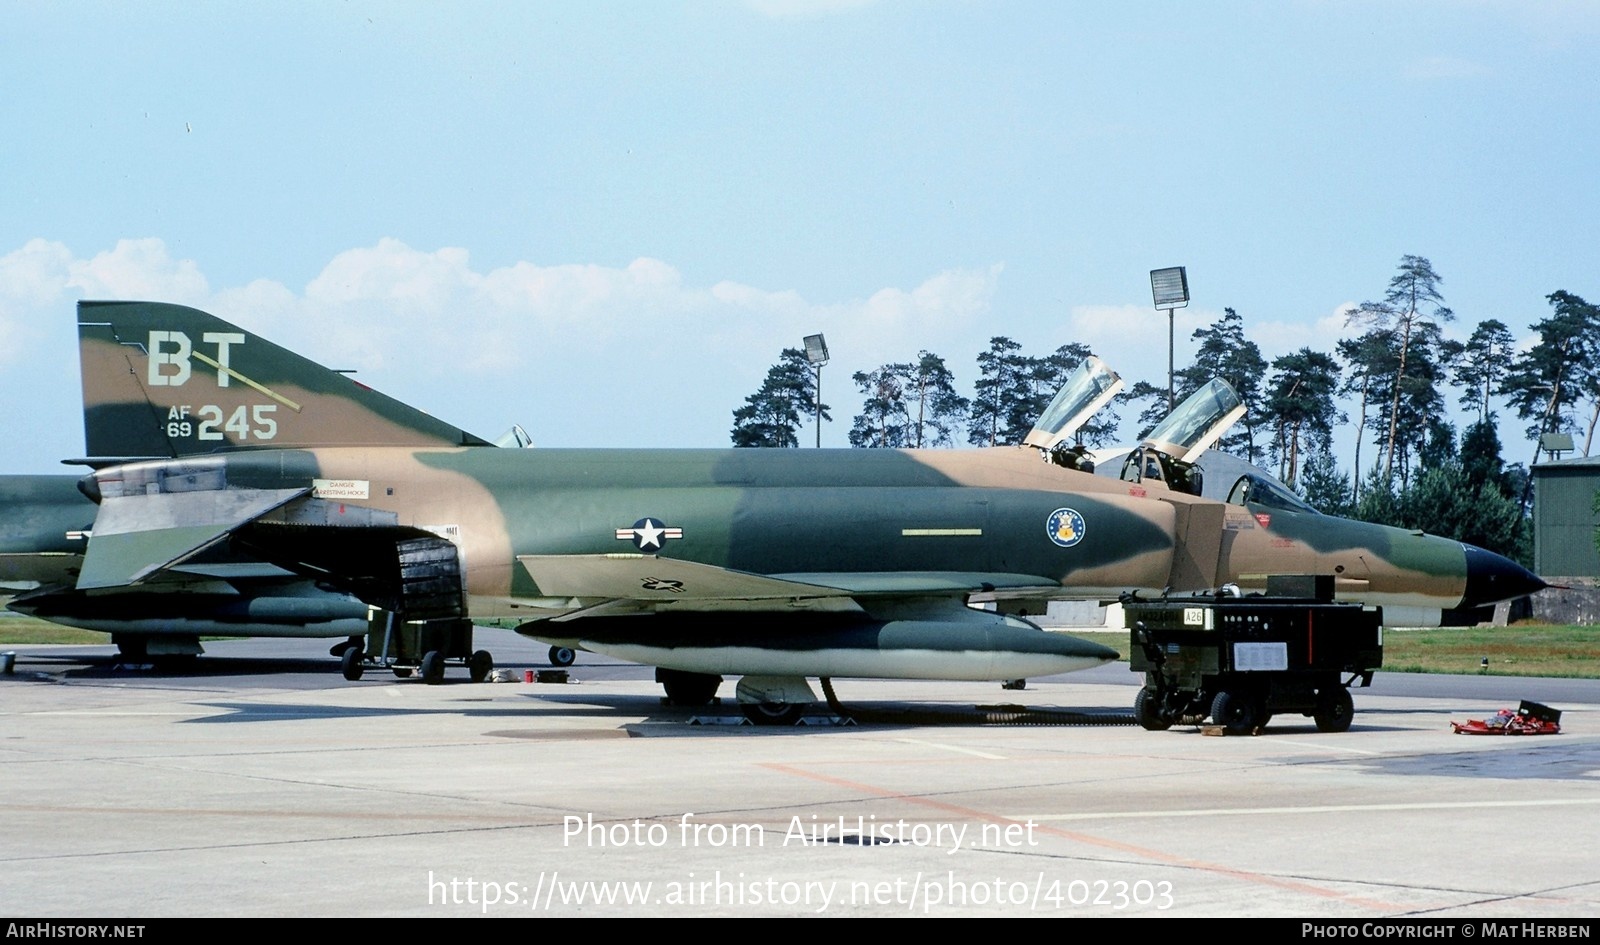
(1412, 304)
(772, 415)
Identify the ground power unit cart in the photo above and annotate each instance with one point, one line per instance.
(1240, 660)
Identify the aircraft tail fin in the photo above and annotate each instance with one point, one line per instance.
(163, 380)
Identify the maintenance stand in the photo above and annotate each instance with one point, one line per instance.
(1240, 660)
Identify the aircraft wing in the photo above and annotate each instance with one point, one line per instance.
(651, 579)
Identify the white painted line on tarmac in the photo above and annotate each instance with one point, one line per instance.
(1318, 747)
(955, 748)
(1326, 809)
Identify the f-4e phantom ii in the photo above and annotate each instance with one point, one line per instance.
(772, 565)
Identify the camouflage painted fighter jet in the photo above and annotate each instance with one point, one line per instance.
(773, 565)
(45, 524)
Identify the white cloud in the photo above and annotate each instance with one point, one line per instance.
(592, 348)
(139, 269)
(32, 280)
(33, 275)
(1278, 338)
(1132, 339)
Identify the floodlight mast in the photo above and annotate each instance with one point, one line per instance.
(1170, 288)
(817, 354)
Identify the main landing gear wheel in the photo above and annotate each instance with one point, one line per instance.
(480, 665)
(1335, 710)
(562, 656)
(1235, 712)
(688, 689)
(1145, 705)
(774, 713)
(350, 663)
(433, 667)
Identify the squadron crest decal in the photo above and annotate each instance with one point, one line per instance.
(1065, 527)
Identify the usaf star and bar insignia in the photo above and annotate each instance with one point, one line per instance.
(649, 534)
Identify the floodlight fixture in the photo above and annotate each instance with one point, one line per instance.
(816, 349)
(1170, 288)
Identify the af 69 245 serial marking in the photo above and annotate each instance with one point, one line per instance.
(207, 422)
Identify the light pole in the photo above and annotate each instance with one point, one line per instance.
(817, 354)
(1170, 287)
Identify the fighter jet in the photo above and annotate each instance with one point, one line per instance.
(45, 525)
(773, 565)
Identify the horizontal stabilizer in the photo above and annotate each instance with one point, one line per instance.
(233, 570)
(136, 536)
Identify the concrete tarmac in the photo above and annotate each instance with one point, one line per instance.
(258, 782)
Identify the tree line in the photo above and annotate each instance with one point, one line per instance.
(1396, 373)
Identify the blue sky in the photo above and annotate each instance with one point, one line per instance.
(604, 220)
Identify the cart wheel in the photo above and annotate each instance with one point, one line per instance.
(400, 672)
(1335, 710)
(480, 665)
(1234, 711)
(432, 671)
(350, 663)
(1145, 707)
(562, 656)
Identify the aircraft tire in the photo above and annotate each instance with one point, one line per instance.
(774, 713)
(1144, 711)
(132, 649)
(350, 663)
(562, 656)
(1234, 711)
(480, 665)
(688, 689)
(1335, 710)
(432, 671)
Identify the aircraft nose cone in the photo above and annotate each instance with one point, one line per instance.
(1493, 578)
